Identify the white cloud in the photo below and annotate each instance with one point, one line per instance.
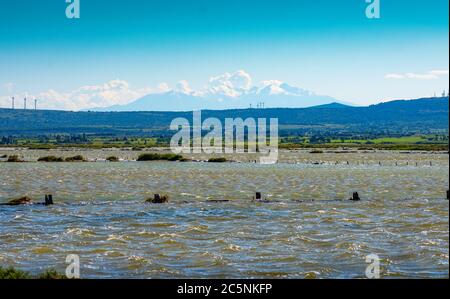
(431, 75)
(439, 72)
(163, 87)
(421, 76)
(119, 92)
(230, 85)
(183, 87)
(275, 86)
(271, 82)
(115, 92)
(241, 80)
(394, 76)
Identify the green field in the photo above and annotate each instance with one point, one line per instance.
(388, 140)
(413, 142)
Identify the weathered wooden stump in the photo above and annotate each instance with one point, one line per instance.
(157, 198)
(258, 196)
(48, 200)
(355, 197)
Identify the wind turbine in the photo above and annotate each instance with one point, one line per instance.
(25, 103)
(12, 100)
(35, 104)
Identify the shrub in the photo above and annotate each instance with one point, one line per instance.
(160, 157)
(51, 275)
(173, 157)
(50, 159)
(217, 160)
(11, 273)
(77, 158)
(316, 152)
(112, 159)
(14, 158)
(20, 201)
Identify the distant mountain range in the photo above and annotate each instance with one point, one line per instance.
(274, 94)
(414, 116)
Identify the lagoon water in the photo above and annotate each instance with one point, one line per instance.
(308, 231)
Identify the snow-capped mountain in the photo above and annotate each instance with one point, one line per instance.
(229, 91)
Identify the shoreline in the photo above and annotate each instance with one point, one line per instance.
(428, 147)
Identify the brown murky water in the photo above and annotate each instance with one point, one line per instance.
(100, 215)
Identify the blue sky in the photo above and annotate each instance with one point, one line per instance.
(120, 50)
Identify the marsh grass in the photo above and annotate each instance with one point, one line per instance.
(50, 159)
(160, 157)
(14, 274)
(11, 273)
(20, 201)
(217, 160)
(77, 158)
(14, 159)
(316, 152)
(51, 275)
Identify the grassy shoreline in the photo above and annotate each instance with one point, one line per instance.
(284, 146)
(11, 273)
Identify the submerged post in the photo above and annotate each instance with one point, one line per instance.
(258, 196)
(355, 197)
(157, 198)
(48, 200)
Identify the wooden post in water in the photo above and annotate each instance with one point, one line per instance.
(157, 198)
(48, 200)
(355, 197)
(258, 196)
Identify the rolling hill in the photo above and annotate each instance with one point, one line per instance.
(421, 115)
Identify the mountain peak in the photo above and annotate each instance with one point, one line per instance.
(227, 91)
